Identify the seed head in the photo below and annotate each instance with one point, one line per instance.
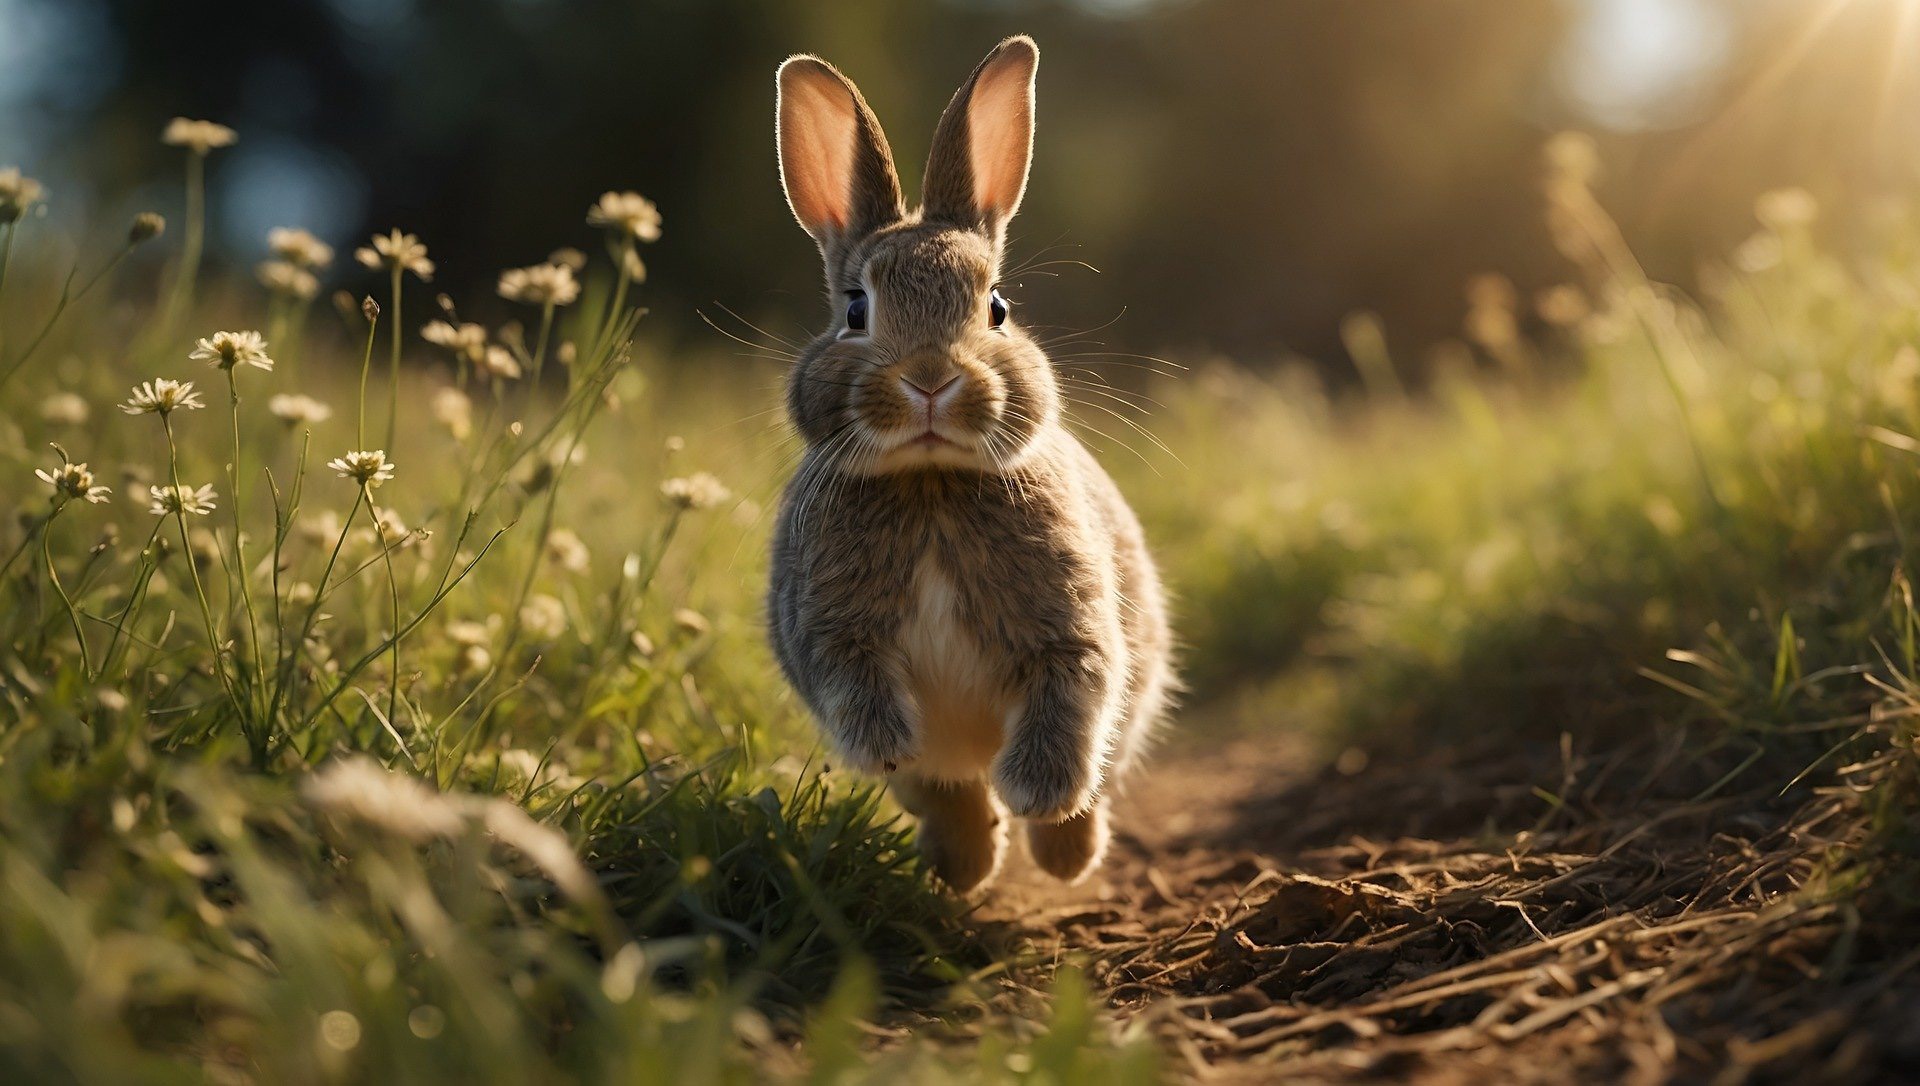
(397, 250)
(367, 467)
(626, 214)
(162, 397)
(197, 136)
(70, 481)
(541, 284)
(180, 500)
(18, 192)
(146, 226)
(225, 350)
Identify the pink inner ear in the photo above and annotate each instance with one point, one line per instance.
(817, 138)
(1000, 133)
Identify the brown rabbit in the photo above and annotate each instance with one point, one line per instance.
(959, 592)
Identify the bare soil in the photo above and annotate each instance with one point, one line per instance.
(1520, 913)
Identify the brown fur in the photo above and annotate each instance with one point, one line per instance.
(959, 591)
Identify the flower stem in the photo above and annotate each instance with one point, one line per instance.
(540, 350)
(53, 576)
(366, 364)
(68, 296)
(186, 279)
(239, 547)
(193, 573)
(393, 369)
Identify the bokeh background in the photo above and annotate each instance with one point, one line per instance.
(1243, 173)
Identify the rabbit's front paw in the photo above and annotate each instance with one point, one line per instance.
(1047, 789)
(877, 740)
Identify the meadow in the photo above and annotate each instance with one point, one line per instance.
(393, 701)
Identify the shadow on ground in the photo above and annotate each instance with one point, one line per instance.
(1514, 912)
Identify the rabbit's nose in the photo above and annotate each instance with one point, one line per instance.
(917, 390)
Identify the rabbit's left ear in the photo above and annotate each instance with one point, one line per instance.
(978, 168)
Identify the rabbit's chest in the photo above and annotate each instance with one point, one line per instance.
(954, 678)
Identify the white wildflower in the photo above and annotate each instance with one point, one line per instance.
(367, 467)
(226, 350)
(543, 617)
(197, 136)
(65, 409)
(396, 250)
(162, 397)
(565, 549)
(288, 280)
(169, 500)
(700, 490)
(628, 214)
(71, 480)
(299, 247)
(499, 362)
(541, 284)
(295, 409)
(18, 192)
(691, 622)
(453, 410)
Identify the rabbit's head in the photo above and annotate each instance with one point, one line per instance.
(922, 364)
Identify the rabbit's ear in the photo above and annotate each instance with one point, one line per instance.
(978, 168)
(834, 159)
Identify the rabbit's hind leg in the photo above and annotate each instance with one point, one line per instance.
(1069, 849)
(962, 832)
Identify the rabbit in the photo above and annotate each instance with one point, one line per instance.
(958, 593)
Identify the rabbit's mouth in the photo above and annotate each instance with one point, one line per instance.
(931, 440)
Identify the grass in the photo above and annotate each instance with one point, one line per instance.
(482, 772)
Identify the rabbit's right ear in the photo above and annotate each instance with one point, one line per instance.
(834, 159)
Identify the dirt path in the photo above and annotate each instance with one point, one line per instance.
(1447, 918)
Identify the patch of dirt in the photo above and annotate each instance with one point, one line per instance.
(1521, 914)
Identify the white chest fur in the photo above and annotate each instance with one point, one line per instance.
(962, 706)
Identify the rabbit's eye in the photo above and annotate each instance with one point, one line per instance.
(997, 308)
(856, 311)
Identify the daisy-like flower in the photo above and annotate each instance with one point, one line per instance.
(299, 247)
(225, 350)
(197, 136)
(543, 617)
(569, 256)
(71, 480)
(18, 192)
(295, 409)
(65, 409)
(700, 490)
(453, 410)
(566, 550)
(499, 362)
(628, 214)
(466, 342)
(541, 284)
(162, 397)
(285, 278)
(397, 250)
(180, 500)
(368, 467)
